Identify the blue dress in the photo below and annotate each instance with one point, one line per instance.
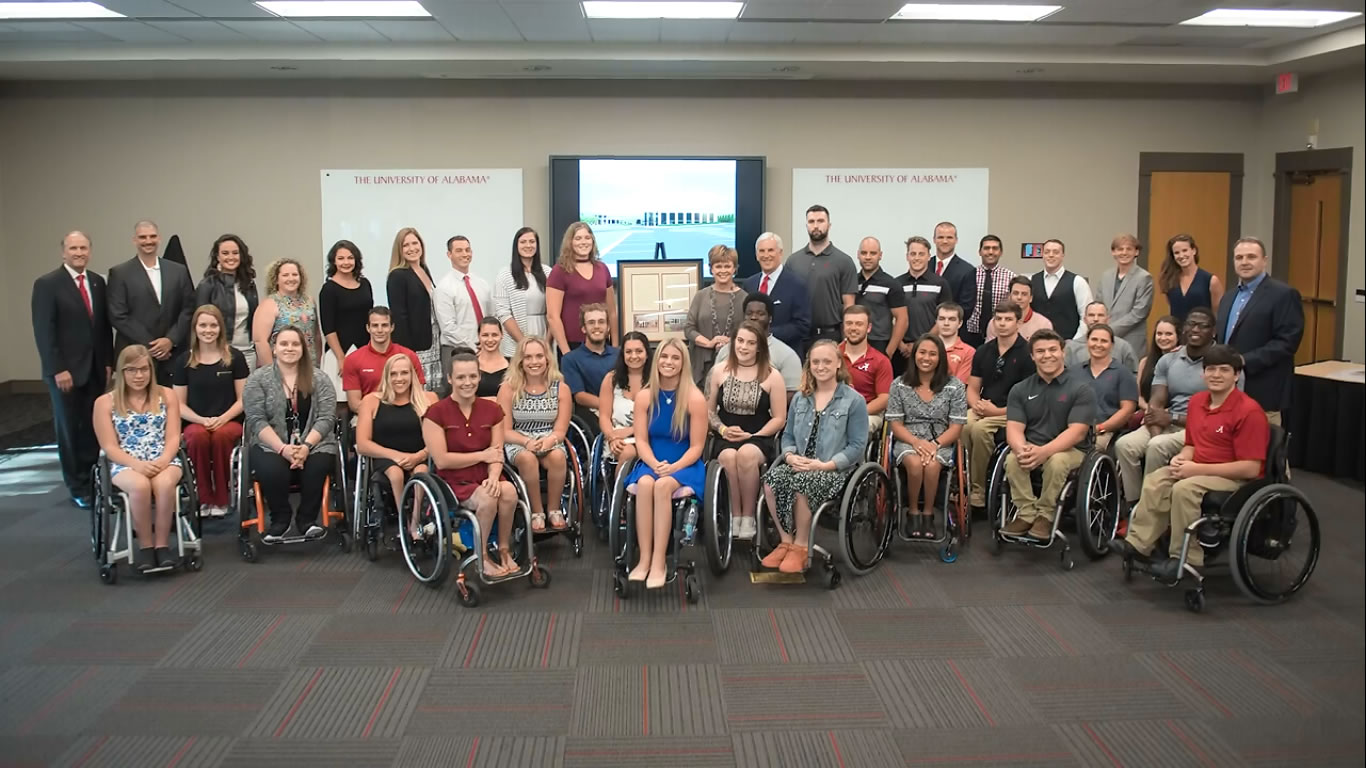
(142, 436)
(666, 447)
(1198, 296)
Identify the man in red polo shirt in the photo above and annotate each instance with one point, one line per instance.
(870, 370)
(365, 365)
(1226, 441)
(960, 354)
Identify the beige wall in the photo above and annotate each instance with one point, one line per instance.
(226, 157)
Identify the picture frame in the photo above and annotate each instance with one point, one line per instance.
(1031, 250)
(653, 296)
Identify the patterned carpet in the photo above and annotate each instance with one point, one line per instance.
(318, 658)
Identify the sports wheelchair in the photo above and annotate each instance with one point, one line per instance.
(252, 514)
(373, 507)
(448, 529)
(111, 523)
(1260, 524)
(1090, 496)
(951, 498)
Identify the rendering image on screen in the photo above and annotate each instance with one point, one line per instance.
(658, 209)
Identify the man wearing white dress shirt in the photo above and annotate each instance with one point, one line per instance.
(1060, 294)
(462, 300)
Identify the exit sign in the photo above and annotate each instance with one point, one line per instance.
(1287, 83)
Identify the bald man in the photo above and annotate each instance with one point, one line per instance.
(150, 302)
(882, 295)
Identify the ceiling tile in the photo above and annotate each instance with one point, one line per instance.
(349, 31)
(200, 31)
(548, 21)
(54, 32)
(407, 31)
(474, 21)
(699, 31)
(155, 9)
(225, 9)
(132, 31)
(270, 31)
(624, 30)
(834, 34)
(829, 10)
(765, 32)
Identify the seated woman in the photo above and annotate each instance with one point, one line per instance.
(1115, 385)
(389, 426)
(620, 388)
(493, 367)
(747, 406)
(464, 435)
(670, 422)
(1166, 337)
(536, 409)
(826, 434)
(138, 426)
(927, 411)
(208, 381)
(291, 412)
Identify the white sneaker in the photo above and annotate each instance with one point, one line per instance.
(736, 532)
(747, 528)
(218, 511)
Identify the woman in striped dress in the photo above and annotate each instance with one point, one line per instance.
(519, 292)
(536, 405)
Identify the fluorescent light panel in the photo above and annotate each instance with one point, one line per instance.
(624, 9)
(1263, 17)
(943, 12)
(370, 9)
(56, 11)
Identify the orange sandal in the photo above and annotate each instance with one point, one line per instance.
(776, 557)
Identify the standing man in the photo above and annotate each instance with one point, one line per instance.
(882, 295)
(830, 276)
(1059, 294)
(75, 345)
(992, 282)
(924, 291)
(1022, 296)
(1127, 289)
(959, 274)
(587, 365)
(960, 354)
(997, 366)
(870, 371)
(365, 365)
(150, 302)
(791, 315)
(461, 299)
(1263, 319)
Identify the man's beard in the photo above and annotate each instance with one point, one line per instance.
(818, 236)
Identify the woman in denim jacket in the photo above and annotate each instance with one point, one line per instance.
(827, 431)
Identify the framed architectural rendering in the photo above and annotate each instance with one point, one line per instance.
(653, 296)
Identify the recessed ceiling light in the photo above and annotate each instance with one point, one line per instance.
(56, 11)
(1263, 17)
(660, 9)
(942, 12)
(345, 8)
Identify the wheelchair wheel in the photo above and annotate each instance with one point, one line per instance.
(618, 527)
(428, 557)
(1000, 509)
(1275, 543)
(865, 519)
(716, 510)
(1096, 513)
(97, 534)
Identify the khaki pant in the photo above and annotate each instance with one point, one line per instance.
(1054, 477)
(980, 437)
(1175, 504)
(1139, 448)
(1103, 442)
(1274, 417)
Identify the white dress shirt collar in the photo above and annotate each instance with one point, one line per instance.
(772, 276)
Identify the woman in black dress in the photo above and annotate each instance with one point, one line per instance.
(492, 365)
(389, 427)
(344, 304)
(747, 407)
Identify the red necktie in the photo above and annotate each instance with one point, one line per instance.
(85, 295)
(763, 285)
(474, 300)
(939, 268)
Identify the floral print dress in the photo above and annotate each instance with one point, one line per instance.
(142, 436)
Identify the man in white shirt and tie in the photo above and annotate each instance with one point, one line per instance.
(791, 300)
(461, 301)
(960, 275)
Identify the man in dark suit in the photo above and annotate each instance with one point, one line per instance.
(791, 300)
(150, 302)
(960, 275)
(1263, 319)
(75, 345)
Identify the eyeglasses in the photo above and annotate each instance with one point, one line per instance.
(143, 369)
(1000, 364)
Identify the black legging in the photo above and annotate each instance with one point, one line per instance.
(272, 472)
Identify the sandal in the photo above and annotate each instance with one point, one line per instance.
(557, 520)
(538, 522)
(493, 570)
(509, 563)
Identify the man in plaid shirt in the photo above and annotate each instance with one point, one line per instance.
(993, 287)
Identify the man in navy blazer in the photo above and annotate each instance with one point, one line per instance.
(791, 310)
(1263, 319)
(960, 275)
(75, 345)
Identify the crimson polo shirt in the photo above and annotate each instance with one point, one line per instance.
(1235, 431)
(364, 366)
(871, 374)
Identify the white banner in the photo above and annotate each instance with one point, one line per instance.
(892, 204)
(368, 207)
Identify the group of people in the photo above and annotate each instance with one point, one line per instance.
(790, 372)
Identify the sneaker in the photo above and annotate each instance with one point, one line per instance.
(1041, 530)
(1017, 527)
(1167, 571)
(165, 558)
(276, 533)
(746, 528)
(144, 558)
(221, 511)
(1121, 546)
(315, 531)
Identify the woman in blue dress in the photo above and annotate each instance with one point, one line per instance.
(671, 429)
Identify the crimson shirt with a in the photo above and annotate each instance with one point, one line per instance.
(466, 435)
(1235, 431)
(871, 374)
(577, 292)
(365, 366)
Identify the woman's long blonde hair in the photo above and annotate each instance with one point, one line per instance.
(119, 389)
(679, 425)
(273, 276)
(223, 349)
(808, 381)
(396, 261)
(303, 380)
(566, 260)
(516, 380)
(415, 396)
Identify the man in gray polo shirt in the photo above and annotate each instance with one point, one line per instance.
(829, 274)
(1049, 417)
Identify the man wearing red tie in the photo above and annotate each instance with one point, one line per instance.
(791, 300)
(460, 301)
(960, 275)
(76, 346)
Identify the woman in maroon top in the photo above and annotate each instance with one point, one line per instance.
(578, 278)
(464, 437)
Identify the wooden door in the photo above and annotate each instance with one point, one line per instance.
(1192, 203)
(1315, 235)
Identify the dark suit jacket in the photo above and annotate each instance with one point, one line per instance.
(962, 280)
(791, 307)
(68, 339)
(136, 315)
(411, 308)
(1267, 335)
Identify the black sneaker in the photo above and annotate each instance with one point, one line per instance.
(276, 533)
(1123, 548)
(1166, 571)
(144, 559)
(165, 558)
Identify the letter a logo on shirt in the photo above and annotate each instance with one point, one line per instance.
(1219, 430)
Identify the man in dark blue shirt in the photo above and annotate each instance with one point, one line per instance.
(586, 366)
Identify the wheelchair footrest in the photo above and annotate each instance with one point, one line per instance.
(296, 538)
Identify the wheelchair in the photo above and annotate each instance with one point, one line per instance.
(448, 530)
(951, 499)
(858, 515)
(599, 481)
(621, 529)
(111, 524)
(1090, 496)
(1259, 524)
(373, 507)
(252, 514)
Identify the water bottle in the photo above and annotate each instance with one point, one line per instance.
(689, 524)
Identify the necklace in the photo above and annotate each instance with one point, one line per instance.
(730, 314)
